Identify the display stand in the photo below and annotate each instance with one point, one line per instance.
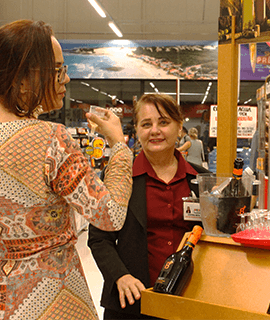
(229, 281)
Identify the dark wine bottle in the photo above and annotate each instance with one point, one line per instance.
(234, 199)
(178, 267)
(236, 188)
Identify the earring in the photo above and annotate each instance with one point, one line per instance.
(21, 111)
(37, 111)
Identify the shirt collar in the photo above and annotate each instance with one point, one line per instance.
(142, 165)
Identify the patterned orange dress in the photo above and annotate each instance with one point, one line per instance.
(44, 179)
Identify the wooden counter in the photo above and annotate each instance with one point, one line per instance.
(229, 281)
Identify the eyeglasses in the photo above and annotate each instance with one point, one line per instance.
(61, 73)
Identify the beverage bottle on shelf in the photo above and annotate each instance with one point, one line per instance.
(178, 267)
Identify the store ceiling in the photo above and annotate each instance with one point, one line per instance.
(138, 20)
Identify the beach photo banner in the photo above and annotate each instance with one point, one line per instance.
(123, 59)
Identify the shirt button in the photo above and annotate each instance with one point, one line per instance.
(169, 205)
(169, 243)
(168, 187)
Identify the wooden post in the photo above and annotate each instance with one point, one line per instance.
(227, 105)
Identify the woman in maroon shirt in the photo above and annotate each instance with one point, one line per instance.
(131, 259)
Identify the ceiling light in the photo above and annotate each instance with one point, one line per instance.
(181, 94)
(247, 101)
(115, 29)
(85, 84)
(98, 8)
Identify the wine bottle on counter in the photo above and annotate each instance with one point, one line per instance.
(178, 267)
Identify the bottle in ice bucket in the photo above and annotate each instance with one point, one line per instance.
(232, 187)
(234, 199)
(178, 267)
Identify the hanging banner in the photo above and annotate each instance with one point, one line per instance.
(246, 122)
(140, 59)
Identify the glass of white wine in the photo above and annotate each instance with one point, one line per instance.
(99, 113)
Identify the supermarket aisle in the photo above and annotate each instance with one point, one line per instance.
(92, 273)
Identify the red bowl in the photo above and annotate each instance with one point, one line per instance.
(252, 238)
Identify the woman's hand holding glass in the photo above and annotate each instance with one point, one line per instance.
(106, 123)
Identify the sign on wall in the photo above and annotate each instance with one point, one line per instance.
(246, 122)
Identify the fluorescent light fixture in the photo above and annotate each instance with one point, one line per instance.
(79, 101)
(181, 94)
(207, 92)
(115, 29)
(247, 101)
(85, 84)
(97, 7)
(152, 85)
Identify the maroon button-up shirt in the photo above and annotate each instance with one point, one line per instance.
(165, 224)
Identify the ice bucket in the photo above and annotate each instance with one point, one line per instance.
(220, 214)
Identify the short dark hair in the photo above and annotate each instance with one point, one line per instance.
(25, 47)
(166, 101)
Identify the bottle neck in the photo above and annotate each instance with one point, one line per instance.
(188, 248)
(237, 173)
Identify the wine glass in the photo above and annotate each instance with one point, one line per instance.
(99, 113)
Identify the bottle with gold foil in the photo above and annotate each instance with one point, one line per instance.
(178, 267)
(236, 188)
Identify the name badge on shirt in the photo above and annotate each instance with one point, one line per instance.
(192, 211)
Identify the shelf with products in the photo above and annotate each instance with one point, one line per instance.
(229, 282)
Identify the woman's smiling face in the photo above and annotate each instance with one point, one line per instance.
(156, 132)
